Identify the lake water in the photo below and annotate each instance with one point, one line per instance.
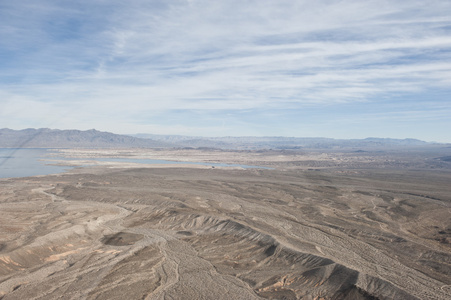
(22, 162)
(26, 162)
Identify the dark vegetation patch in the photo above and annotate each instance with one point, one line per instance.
(270, 250)
(121, 239)
(184, 232)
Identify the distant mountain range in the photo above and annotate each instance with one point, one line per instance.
(54, 138)
(282, 142)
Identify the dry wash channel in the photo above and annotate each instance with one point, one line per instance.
(183, 233)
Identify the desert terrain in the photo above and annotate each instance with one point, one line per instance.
(314, 225)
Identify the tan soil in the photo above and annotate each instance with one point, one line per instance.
(122, 231)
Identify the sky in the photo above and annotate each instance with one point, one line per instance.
(324, 68)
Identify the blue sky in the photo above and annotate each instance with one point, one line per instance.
(340, 69)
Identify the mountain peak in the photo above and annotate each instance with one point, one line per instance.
(55, 138)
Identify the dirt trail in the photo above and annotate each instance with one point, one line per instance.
(189, 233)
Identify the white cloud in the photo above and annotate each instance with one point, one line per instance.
(122, 59)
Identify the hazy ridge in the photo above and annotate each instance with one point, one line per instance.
(44, 137)
(280, 142)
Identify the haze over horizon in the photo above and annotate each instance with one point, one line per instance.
(336, 69)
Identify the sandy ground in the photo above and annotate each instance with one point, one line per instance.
(317, 226)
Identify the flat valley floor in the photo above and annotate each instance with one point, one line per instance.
(316, 226)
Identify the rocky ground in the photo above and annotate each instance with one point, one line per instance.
(316, 226)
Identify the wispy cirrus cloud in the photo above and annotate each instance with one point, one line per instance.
(142, 61)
